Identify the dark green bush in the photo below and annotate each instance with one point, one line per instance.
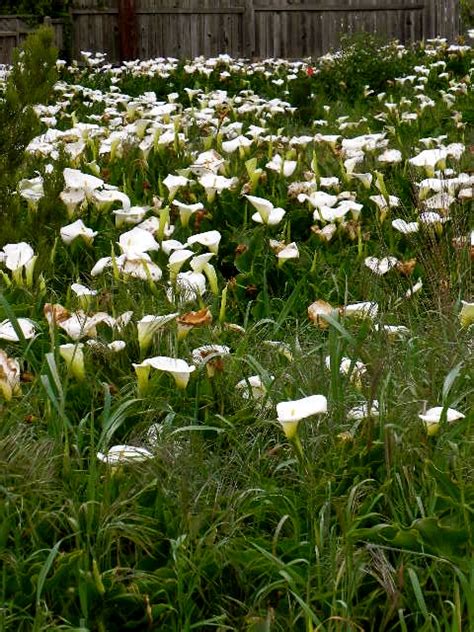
(30, 82)
(363, 60)
(38, 8)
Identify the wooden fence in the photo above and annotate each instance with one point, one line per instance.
(250, 28)
(14, 30)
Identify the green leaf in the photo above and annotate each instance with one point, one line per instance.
(450, 379)
(420, 600)
(45, 570)
(112, 422)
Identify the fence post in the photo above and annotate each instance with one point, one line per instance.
(127, 20)
(248, 29)
(17, 29)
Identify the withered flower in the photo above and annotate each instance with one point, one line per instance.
(406, 267)
(188, 321)
(317, 311)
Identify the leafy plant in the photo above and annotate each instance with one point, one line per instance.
(37, 8)
(363, 62)
(30, 81)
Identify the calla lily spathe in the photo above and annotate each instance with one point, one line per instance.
(290, 413)
(187, 210)
(380, 266)
(364, 309)
(179, 369)
(32, 190)
(288, 252)
(215, 184)
(73, 355)
(84, 294)
(173, 183)
(137, 241)
(266, 212)
(433, 417)
(210, 239)
(149, 325)
(77, 229)
(8, 333)
(406, 228)
(9, 376)
(20, 259)
(466, 315)
(285, 167)
(253, 387)
(176, 261)
(209, 356)
(362, 411)
(121, 454)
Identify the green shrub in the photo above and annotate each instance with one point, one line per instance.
(30, 82)
(363, 60)
(467, 12)
(38, 8)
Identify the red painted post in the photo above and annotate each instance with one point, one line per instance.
(128, 30)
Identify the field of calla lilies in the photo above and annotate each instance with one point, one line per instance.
(236, 341)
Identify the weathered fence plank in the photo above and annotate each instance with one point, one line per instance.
(250, 28)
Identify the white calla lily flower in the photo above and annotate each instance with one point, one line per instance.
(253, 387)
(149, 325)
(137, 241)
(80, 325)
(291, 413)
(10, 375)
(288, 252)
(20, 259)
(121, 454)
(173, 183)
(187, 210)
(106, 197)
(285, 167)
(209, 239)
(390, 156)
(75, 179)
(179, 369)
(169, 245)
(200, 264)
(466, 315)
(429, 159)
(176, 261)
(266, 212)
(380, 266)
(433, 417)
(17, 255)
(116, 346)
(362, 411)
(73, 356)
(240, 143)
(318, 199)
(215, 184)
(82, 290)
(31, 190)
(75, 230)
(26, 326)
(414, 289)
(406, 228)
(132, 215)
(364, 309)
